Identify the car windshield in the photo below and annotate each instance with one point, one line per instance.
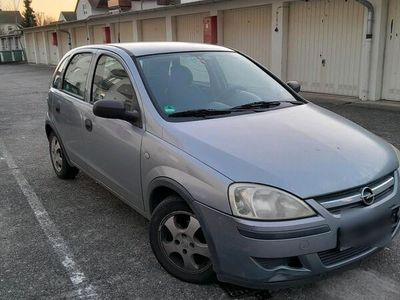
(200, 84)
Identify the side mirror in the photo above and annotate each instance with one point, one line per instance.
(114, 110)
(294, 85)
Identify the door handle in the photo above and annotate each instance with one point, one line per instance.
(58, 107)
(88, 125)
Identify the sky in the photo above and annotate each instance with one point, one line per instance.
(50, 8)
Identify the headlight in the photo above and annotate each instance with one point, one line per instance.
(397, 151)
(254, 201)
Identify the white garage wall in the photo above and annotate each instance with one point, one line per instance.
(249, 30)
(330, 31)
(391, 77)
(154, 30)
(189, 28)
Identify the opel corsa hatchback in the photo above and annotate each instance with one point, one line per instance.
(239, 176)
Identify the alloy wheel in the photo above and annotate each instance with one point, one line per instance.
(183, 242)
(56, 154)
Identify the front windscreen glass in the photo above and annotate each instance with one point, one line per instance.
(210, 84)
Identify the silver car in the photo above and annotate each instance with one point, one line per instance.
(239, 175)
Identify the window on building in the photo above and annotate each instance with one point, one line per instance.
(111, 82)
(76, 75)
(16, 40)
(84, 8)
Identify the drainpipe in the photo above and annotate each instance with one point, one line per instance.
(366, 63)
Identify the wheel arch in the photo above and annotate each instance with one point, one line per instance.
(162, 187)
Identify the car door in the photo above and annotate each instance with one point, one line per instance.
(68, 96)
(112, 148)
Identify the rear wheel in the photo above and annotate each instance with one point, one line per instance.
(60, 165)
(178, 242)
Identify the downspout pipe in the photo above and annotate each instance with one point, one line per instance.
(365, 71)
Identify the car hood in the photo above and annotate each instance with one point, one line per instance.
(305, 150)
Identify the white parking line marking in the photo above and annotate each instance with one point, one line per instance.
(77, 277)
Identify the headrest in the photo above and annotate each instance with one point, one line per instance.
(181, 75)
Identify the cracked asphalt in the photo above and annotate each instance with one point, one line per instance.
(108, 239)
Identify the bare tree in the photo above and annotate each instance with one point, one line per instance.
(43, 19)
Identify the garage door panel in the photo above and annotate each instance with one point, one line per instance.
(64, 40)
(80, 36)
(30, 48)
(189, 28)
(98, 34)
(391, 77)
(324, 45)
(41, 48)
(154, 30)
(249, 30)
(125, 32)
(53, 50)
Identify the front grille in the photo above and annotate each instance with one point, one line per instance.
(338, 202)
(335, 256)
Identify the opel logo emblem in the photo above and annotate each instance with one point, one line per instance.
(367, 196)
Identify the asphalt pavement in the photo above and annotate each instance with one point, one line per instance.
(73, 239)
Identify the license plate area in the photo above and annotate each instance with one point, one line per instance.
(369, 233)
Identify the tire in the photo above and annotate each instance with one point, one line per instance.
(178, 242)
(60, 164)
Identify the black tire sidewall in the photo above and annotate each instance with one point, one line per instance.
(66, 172)
(169, 205)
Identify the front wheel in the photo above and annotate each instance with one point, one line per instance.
(178, 242)
(60, 164)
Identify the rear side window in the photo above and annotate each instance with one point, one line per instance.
(111, 82)
(58, 75)
(76, 75)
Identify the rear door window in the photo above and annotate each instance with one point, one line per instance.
(57, 80)
(76, 75)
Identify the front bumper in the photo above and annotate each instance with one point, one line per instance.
(258, 254)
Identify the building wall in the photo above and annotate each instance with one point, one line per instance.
(318, 42)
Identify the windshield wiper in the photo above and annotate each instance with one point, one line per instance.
(259, 104)
(200, 113)
(263, 104)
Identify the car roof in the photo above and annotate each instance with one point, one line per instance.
(149, 48)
